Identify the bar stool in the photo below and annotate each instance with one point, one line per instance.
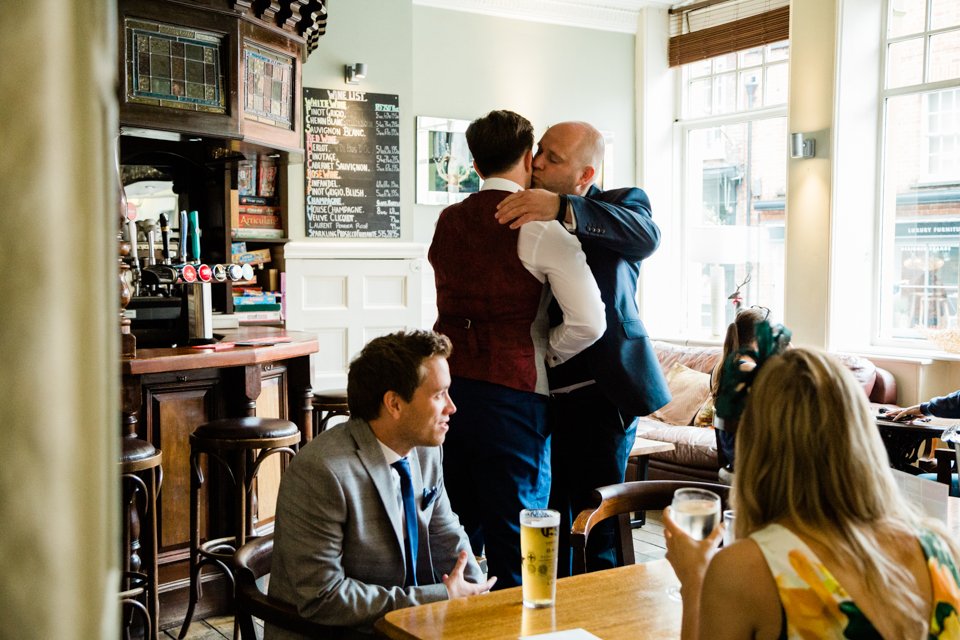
(140, 475)
(239, 446)
(327, 404)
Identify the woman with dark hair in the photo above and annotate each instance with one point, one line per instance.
(827, 547)
(741, 336)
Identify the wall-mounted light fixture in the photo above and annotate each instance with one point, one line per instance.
(354, 73)
(802, 147)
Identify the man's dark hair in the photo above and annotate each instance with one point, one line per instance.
(498, 140)
(391, 363)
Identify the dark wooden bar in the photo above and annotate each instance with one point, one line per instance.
(167, 393)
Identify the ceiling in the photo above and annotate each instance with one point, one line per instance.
(607, 15)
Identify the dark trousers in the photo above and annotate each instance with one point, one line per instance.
(496, 462)
(591, 444)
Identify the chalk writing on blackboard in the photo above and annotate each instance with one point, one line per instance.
(352, 164)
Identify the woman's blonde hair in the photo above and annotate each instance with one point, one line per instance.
(740, 332)
(809, 453)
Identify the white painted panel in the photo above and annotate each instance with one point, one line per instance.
(381, 292)
(324, 292)
(347, 301)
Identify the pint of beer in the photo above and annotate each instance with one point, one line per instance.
(539, 536)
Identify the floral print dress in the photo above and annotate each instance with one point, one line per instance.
(816, 606)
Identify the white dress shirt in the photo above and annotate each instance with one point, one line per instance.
(553, 256)
(392, 456)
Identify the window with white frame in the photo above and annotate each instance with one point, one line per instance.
(734, 133)
(920, 171)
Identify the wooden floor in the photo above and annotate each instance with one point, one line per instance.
(648, 541)
(647, 545)
(210, 629)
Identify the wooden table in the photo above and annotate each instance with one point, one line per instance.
(904, 439)
(637, 465)
(628, 603)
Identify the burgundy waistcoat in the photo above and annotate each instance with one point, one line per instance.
(486, 299)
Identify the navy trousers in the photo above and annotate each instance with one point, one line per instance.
(591, 443)
(496, 461)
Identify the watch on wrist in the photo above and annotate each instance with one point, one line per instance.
(562, 211)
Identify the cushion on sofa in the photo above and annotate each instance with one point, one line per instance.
(700, 358)
(694, 447)
(689, 389)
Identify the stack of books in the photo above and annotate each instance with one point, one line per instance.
(251, 305)
(257, 211)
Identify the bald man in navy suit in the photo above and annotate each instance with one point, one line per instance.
(597, 395)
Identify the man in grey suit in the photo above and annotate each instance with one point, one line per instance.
(345, 551)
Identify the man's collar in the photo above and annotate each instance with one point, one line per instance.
(500, 184)
(388, 453)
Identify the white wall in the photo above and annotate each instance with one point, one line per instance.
(466, 65)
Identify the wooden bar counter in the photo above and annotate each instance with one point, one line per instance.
(169, 392)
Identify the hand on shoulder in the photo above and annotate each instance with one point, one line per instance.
(530, 205)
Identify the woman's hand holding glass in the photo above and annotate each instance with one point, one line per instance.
(688, 554)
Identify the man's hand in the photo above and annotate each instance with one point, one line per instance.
(902, 415)
(528, 206)
(457, 587)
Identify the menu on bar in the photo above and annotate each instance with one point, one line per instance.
(352, 164)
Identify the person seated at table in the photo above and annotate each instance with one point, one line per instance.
(363, 522)
(741, 335)
(827, 547)
(947, 406)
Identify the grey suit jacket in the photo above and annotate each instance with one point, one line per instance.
(338, 543)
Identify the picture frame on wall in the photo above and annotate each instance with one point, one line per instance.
(445, 172)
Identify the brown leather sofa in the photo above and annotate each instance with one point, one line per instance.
(695, 453)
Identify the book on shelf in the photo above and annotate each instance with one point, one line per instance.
(262, 306)
(259, 209)
(254, 256)
(250, 233)
(266, 178)
(255, 298)
(247, 178)
(258, 317)
(259, 221)
(260, 200)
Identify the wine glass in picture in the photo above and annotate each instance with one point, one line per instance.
(697, 512)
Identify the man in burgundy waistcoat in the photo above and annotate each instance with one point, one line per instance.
(494, 285)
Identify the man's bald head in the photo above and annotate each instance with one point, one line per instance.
(569, 158)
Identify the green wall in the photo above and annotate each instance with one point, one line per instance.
(461, 65)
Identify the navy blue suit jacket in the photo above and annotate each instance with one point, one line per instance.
(617, 232)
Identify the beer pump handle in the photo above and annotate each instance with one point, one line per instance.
(184, 234)
(165, 237)
(151, 244)
(132, 237)
(194, 226)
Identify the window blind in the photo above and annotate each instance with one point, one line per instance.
(702, 30)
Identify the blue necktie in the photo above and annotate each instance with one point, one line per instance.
(411, 541)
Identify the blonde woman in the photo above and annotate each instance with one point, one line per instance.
(826, 545)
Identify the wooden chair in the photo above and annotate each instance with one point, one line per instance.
(947, 464)
(328, 404)
(618, 500)
(250, 563)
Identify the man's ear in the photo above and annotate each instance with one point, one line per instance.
(392, 404)
(586, 179)
(528, 161)
(477, 169)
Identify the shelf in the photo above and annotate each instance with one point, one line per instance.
(261, 240)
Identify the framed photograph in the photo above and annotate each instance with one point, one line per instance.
(445, 172)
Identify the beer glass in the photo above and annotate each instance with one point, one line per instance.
(539, 536)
